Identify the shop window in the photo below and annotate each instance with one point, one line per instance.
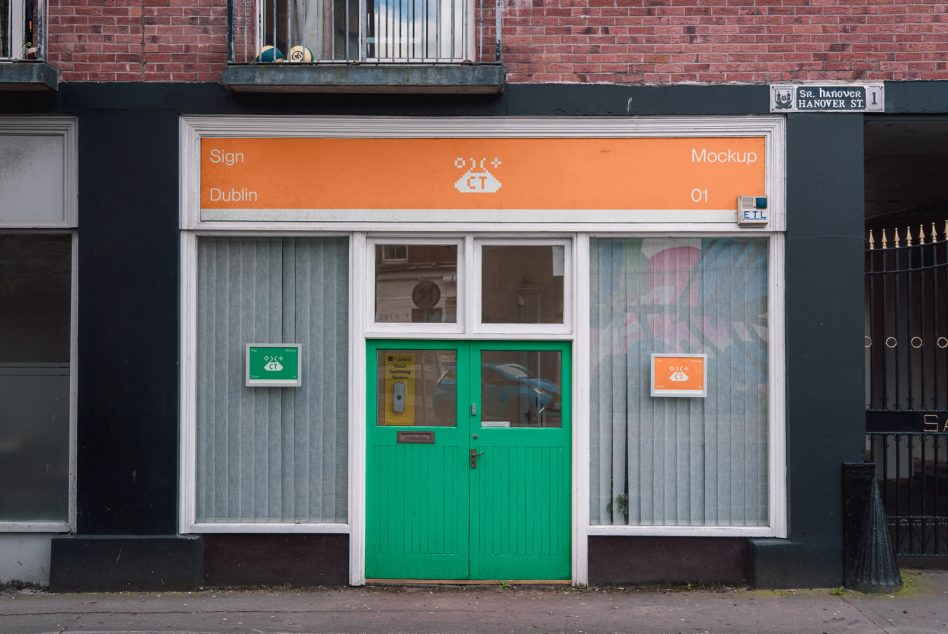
(522, 283)
(272, 454)
(35, 314)
(416, 283)
(691, 461)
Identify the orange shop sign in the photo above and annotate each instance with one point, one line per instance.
(368, 174)
(682, 375)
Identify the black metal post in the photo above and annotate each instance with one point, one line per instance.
(869, 557)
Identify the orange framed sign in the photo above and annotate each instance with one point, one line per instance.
(502, 174)
(679, 375)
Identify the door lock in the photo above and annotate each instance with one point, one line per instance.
(473, 409)
(474, 454)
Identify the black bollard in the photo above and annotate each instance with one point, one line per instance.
(874, 567)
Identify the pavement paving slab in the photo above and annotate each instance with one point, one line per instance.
(921, 607)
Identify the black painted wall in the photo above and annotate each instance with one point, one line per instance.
(128, 322)
(128, 278)
(825, 384)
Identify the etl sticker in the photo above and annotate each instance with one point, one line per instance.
(273, 364)
(679, 375)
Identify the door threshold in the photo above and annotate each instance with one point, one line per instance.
(467, 582)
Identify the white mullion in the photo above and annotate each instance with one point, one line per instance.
(581, 401)
(187, 483)
(359, 278)
(472, 285)
(777, 383)
(73, 384)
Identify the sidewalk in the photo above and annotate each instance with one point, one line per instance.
(922, 606)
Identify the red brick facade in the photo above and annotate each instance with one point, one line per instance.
(144, 40)
(595, 41)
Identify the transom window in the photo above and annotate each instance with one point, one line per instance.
(458, 286)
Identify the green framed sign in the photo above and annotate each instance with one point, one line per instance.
(273, 364)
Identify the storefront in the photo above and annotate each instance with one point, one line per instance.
(38, 300)
(473, 345)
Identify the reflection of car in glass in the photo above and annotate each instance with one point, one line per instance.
(509, 391)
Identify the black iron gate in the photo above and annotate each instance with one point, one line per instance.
(906, 294)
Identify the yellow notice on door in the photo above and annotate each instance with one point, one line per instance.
(399, 386)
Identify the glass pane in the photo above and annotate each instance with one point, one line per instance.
(4, 28)
(416, 29)
(416, 283)
(417, 387)
(522, 284)
(329, 29)
(521, 388)
(659, 461)
(34, 298)
(35, 274)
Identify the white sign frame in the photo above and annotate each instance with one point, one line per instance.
(702, 393)
(248, 382)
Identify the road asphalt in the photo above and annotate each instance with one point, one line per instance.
(920, 607)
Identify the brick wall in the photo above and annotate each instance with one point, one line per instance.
(672, 41)
(143, 40)
(606, 41)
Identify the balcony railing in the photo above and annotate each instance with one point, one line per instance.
(364, 31)
(22, 29)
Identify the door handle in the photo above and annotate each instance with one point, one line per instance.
(474, 454)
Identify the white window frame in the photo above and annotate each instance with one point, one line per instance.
(523, 331)
(67, 128)
(580, 226)
(412, 329)
(776, 525)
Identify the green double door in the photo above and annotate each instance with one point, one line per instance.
(468, 466)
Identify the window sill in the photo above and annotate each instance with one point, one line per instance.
(366, 78)
(266, 527)
(35, 527)
(683, 531)
(28, 75)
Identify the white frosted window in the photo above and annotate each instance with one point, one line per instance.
(31, 180)
(659, 461)
(272, 454)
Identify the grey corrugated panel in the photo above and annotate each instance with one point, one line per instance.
(272, 454)
(679, 461)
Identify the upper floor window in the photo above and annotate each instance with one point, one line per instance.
(20, 29)
(360, 30)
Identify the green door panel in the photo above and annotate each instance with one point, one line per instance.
(417, 504)
(429, 514)
(520, 490)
